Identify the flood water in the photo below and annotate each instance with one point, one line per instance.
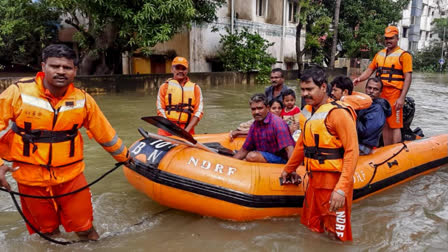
(409, 217)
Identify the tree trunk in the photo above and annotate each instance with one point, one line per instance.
(298, 34)
(94, 59)
(335, 35)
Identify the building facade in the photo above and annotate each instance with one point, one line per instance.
(274, 20)
(416, 29)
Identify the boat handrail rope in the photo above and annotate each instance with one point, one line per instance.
(375, 166)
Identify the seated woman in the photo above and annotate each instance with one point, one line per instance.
(275, 107)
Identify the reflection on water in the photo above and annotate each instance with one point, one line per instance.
(413, 216)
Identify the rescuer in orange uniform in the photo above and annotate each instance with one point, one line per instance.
(45, 143)
(180, 100)
(393, 66)
(328, 146)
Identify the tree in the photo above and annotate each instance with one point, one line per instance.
(105, 29)
(244, 51)
(441, 27)
(335, 33)
(314, 16)
(26, 27)
(427, 60)
(362, 24)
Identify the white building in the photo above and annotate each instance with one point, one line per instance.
(416, 29)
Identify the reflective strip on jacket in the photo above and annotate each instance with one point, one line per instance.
(323, 151)
(44, 140)
(180, 101)
(389, 68)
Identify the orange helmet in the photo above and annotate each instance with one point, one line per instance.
(180, 61)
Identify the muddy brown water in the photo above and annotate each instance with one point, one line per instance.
(410, 217)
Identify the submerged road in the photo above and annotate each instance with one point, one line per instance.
(409, 217)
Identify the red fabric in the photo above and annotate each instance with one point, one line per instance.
(292, 112)
(74, 212)
(317, 217)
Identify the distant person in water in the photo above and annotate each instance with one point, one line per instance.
(180, 100)
(277, 88)
(268, 140)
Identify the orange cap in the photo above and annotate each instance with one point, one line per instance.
(180, 61)
(390, 31)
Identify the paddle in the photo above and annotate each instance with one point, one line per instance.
(146, 134)
(174, 129)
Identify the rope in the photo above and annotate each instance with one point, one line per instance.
(13, 193)
(375, 166)
(65, 194)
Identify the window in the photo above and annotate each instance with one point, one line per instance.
(405, 32)
(412, 20)
(292, 12)
(430, 35)
(261, 8)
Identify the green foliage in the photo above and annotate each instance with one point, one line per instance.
(26, 27)
(427, 60)
(103, 27)
(244, 51)
(362, 24)
(316, 19)
(206, 10)
(441, 27)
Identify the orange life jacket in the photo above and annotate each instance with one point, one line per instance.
(323, 151)
(180, 101)
(389, 68)
(44, 135)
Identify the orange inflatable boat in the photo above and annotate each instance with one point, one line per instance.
(212, 184)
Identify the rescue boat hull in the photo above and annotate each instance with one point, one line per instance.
(210, 184)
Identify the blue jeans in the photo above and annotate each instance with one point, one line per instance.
(272, 158)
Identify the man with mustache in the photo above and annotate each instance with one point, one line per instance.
(277, 88)
(394, 68)
(268, 139)
(328, 147)
(372, 119)
(180, 100)
(47, 112)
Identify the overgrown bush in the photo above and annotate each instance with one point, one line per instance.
(427, 60)
(244, 52)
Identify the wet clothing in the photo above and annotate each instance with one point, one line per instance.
(270, 135)
(371, 122)
(318, 218)
(323, 150)
(38, 120)
(339, 123)
(269, 92)
(391, 69)
(179, 103)
(73, 212)
(45, 142)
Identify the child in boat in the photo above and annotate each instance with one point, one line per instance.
(290, 112)
(275, 107)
